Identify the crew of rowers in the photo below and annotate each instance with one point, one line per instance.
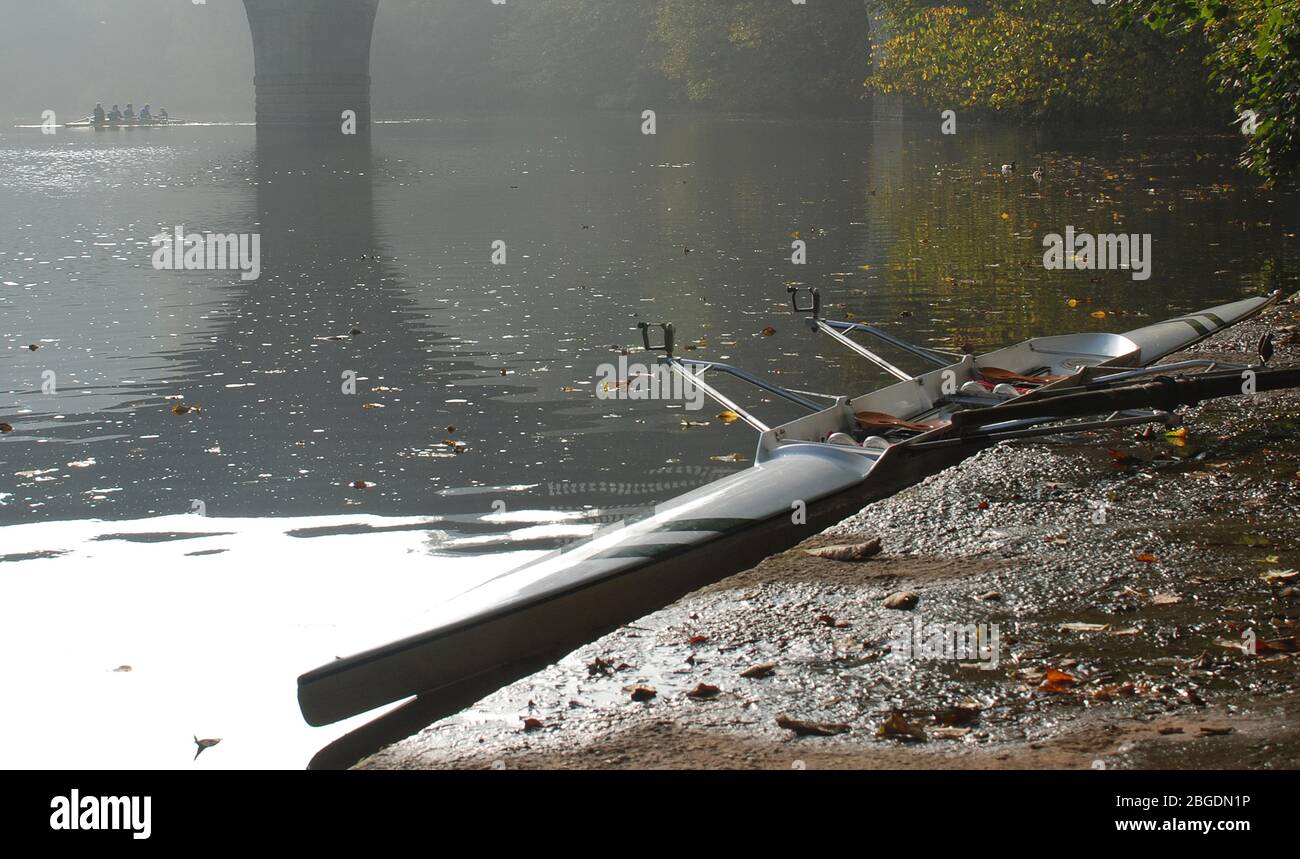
(116, 115)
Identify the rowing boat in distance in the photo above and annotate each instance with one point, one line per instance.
(125, 124)
(808, 474)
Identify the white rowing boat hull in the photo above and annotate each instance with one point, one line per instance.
(523, 620)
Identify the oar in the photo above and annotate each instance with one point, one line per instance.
(1165, 393)
(880, 420)
(994, 374)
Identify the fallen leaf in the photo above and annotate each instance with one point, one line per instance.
(1167, 730)
(768, 331)
(962, 713)
(532, 724)
(642, 693)
(1114, 691)
(896, 727)
(1277, 645)
(989, 596)
(827, 620)
(902, 600)
(730, 457)
(1280, 576)
(948, 733)
(1216, 730)
(1147, 558)
(1084, 627)
(4, 427)
(704, 690)
(758, 672)
(1098, 314)
(811, 729)
(1055, 681)
(848, 551)
(1166, 599)
(728, 417)
(687, 424)
(204, 745)
(182, 409)
(697, 639)
(361, 484)
(369, 406)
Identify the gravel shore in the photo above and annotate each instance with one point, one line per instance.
(1116, 581)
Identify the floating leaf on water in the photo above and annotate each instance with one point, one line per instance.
(1280, 576)
(4, 427)
(758, 672)
(1166, 599)
(1147, 558)
(372, 405)
(1073, 302)
(948, 733)
(531, 724)
(689, 424)
(1084, 627)
(642, 693)
(730, 457)
(83, 463)
(811, 729)
(728, 417)
(1098, 314)
(182, 409)
(697, 639)
(361, 484)
(768, 331)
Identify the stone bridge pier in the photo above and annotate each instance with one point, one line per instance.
(312, 61)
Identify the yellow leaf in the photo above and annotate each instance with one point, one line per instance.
(728, 417)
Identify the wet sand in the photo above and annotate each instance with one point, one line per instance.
(1123, 575)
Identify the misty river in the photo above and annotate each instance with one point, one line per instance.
(226, 482)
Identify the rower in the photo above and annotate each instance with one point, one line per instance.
(130, 111)
(115, 115)
(145, 115)
(99, 114)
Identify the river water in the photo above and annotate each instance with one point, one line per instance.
(104, 559)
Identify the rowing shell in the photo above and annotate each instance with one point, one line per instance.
(524, 620)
